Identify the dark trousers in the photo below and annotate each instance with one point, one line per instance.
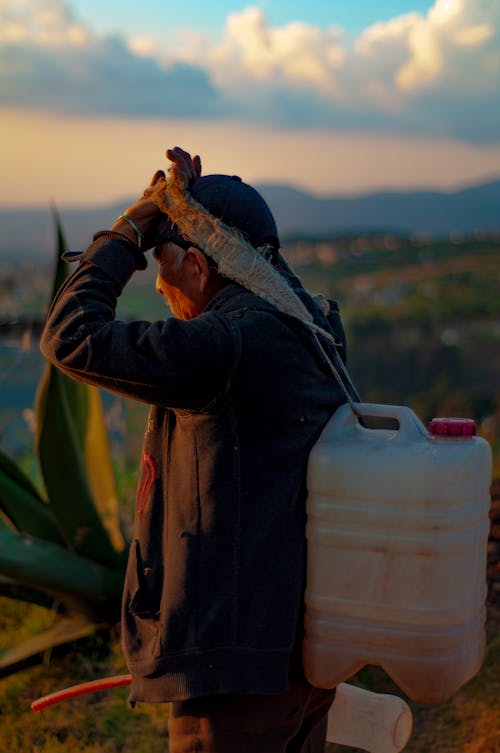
(291, 722)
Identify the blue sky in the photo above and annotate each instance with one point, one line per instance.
(332, 96)
(147, 16)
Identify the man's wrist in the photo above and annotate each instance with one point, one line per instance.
(140, 259)
(131, 224)
(125, 229)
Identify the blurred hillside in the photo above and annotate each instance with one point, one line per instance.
(422, 320)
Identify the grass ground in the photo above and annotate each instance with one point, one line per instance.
(104, 723)
(95, 723)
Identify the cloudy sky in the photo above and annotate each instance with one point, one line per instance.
(328, 95)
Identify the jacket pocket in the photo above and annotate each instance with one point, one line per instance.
(142, 613)
(145, 583)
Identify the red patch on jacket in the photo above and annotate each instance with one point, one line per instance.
(148, 478)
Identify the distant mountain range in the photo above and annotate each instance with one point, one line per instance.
(414, 212)
(29, 233)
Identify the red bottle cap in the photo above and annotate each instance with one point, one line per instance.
(453, 427)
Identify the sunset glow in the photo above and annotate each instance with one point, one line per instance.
(274, 93)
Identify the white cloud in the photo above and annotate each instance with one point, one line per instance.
(426, 59)
(147, 46)
(399, 74)
(437, 73)
(50, 60)
(436, 45)
(47, 23)
(444, 11)
(296, 54)
(474, 35)
(416, 53)
(389, 32)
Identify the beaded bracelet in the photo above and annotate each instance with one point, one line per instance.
(133, 226)
(115, 235)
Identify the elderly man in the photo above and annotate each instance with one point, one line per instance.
(240, 385)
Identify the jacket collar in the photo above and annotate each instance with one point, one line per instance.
(234, 296)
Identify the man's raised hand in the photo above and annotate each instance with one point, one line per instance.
(185, 169)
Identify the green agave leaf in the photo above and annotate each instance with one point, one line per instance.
(62, 269)
(23, 507)
(69, 419)
(66, 631)
(100, 470)
(5, 523)
(12, 590)
(60, 449)
(48, 568)
(16, 474)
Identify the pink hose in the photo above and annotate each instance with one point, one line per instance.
(118, 681)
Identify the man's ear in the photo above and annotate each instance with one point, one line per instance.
(201, 266)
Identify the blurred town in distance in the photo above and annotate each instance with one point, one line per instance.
(24, 286)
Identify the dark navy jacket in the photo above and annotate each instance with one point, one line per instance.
(213, 597)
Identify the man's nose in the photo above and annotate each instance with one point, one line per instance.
(157, 285)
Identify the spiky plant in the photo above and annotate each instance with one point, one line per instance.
(63, 546)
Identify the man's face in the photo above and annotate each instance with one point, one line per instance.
(177, 281)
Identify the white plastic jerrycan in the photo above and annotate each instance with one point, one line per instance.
(397, 534)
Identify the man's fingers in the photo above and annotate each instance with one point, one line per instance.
(182, 154)
(178, 155)
(159, 175)
(181, 159)
(184, 164)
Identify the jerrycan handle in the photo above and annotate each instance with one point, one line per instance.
(375, 417)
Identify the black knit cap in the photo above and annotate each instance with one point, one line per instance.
(235, 203)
